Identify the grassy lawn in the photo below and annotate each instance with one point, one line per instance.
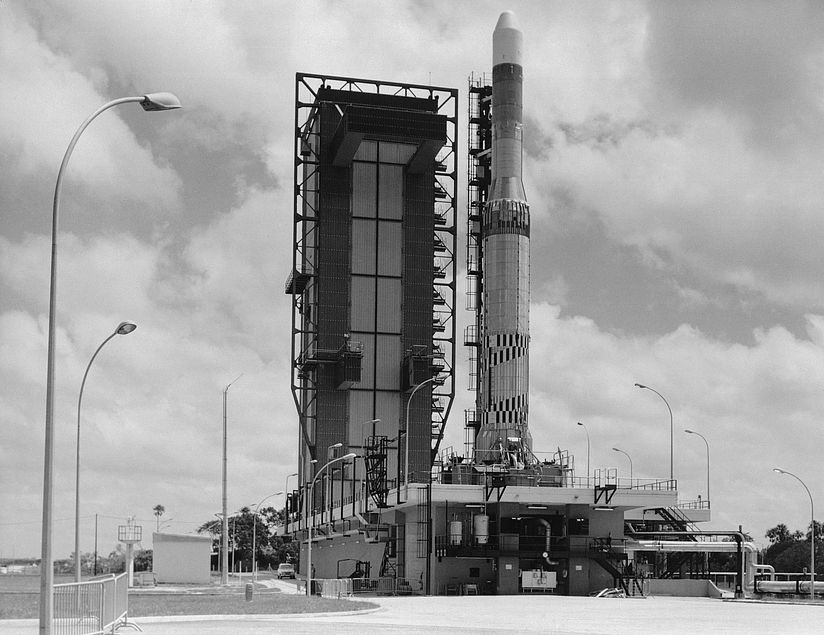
(20, 598)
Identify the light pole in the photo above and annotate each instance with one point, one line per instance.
(309, 523)
(286, 502)
(707, 443)
(254, 534)
(330, 451)
(124, 328)
(373, 422)
(587, 431)
(778, 470)
(406, 431)
(672, 472)
(151, 102)
(630, 462)
(224, 539)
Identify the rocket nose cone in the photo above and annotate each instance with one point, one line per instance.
(507, 20)
(507, 40)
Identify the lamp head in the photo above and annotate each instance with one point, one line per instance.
(640, 385)
(580, 424)
(616, 449)
(778, 470)
(124, 328)
(160, 101)
(336, 445)
(688, 431)
(351, 455)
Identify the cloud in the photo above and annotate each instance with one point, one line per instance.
(753, 403)
(34, 134)
(762, 64)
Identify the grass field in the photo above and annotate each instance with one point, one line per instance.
(20, 598)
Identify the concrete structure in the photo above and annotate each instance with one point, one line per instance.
(181, 558)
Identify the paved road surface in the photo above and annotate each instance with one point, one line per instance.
(505, 614)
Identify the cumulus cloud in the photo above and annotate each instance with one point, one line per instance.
(672, 171)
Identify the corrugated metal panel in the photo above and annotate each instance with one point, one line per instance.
(390, 248)
(397, 152)
(363, 246)
(364, 189)
(362, 304)
(388, 409)
(390, 191)
(368, 362)
(360, 410)
(367, 151)
(388, 362)
(389, 305)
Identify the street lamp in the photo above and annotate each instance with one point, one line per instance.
(310, 522)
(630, 463)
(708, 459)
(671, 431)
(150, 102)
(124, 328)
(254, 534)
(373, 422)
(406, 431)
(286, 502)
(224, 540)
(778, 470)
(587, 431)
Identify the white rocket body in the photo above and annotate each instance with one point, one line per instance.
(504, 360)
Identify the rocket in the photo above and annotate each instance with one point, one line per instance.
(503, 398)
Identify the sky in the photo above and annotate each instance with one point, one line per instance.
(673, 161)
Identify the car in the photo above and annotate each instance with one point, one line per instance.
(286, 570)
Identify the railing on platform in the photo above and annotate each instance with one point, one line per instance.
(347, 587)
(91, 607)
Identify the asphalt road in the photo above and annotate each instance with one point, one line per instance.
(506, 614)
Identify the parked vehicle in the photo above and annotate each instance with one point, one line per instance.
(286, 570)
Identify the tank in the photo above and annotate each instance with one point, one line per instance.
(480, 528)
(455, 532)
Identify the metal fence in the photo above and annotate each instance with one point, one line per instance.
(347, 587)
(88, 608)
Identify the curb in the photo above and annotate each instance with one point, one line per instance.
(246, 617)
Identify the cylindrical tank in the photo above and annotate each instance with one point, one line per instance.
(480, 527)
(455, 532)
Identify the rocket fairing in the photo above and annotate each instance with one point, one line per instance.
(504, 356)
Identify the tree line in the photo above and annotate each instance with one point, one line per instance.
(789, 551)
(245, 527)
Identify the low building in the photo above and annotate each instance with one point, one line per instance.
(181, 558)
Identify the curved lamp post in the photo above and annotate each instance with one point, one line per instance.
(124, 328)
(224, 540)
(630, 463)
(286, 502)
(150, 102)
(587, 431)
(310, 522)
(672, 477)
(254, 534)
(707, 443)
(406, 432)
(778, 470)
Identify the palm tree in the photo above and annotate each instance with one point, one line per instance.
(158, 511)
